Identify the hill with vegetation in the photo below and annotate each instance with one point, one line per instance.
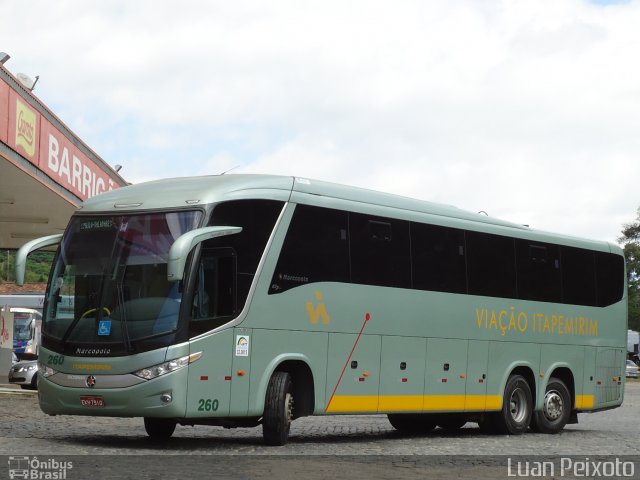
(38, 266)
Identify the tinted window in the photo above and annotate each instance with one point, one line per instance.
(316, 249)
(491, 265)
(539, 275)
(379, 251)
(257, 219)
(578, 276)
(214, 296)
(610, 278)
(338, 246)
(438, 258)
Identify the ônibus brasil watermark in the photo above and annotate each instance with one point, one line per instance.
(571, 468)
(40, 469)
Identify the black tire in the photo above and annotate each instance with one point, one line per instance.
(34, 382)
(159, 428)
(278, 409)
(556, 409)
(517, 407)
(412, 422)
(451, 422)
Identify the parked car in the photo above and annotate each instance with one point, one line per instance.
(25, 374)
(633, 370)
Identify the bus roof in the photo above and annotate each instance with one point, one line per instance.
(184, 192)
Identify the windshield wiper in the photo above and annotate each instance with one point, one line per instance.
(123, 318)
(97, 310)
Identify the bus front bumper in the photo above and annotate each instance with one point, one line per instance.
(161, 397)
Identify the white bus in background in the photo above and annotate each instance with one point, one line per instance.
(27, 328)
(27, 323)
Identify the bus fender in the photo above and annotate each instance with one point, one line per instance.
(511, 368)
(545, 380)
(256, 405)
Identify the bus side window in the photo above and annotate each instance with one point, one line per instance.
(609, 278)
(214, 294)
(438, 258)
(539, 273)
(316, 249)
(491, 265)
(379, 251)
(578, 276)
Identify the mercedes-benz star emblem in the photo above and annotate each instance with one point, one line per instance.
(91, 381)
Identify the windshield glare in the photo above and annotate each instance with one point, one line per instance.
(109, 285)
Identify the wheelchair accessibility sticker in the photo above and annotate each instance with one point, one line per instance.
(104, 328)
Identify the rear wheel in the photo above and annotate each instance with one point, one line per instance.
(278, 409)
(556, 408)
(159, 428)
(517, 407)
(412, 422)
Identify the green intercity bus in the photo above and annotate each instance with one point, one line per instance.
(246, 300)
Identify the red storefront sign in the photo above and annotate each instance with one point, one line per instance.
(67, 165)
(30, 134)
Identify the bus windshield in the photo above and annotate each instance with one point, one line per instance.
(109, 292)
(22, 327)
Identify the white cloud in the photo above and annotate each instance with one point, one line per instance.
(527, 110)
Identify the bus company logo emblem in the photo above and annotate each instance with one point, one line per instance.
(319, 311)
(25, 128)
(90, 381)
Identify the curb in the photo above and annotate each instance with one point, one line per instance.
(12, 390)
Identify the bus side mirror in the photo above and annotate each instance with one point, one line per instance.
(184, 244)
(27, 248)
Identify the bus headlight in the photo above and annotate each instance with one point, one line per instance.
(45, 370)
(167, 367)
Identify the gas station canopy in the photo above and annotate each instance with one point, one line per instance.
(45, 169)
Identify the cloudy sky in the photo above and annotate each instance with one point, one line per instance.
(528, 110)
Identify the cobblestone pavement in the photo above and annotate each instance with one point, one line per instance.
(355, 446)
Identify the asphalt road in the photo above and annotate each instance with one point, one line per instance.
(319, 447)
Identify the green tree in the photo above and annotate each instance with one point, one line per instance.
(631, 240)
(38, 266)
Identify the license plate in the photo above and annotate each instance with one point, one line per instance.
(92, 401)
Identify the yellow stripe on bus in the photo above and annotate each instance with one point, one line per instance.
(585, 401)
(415, 403)
(482, 403)
(397, 403)
(360, 403)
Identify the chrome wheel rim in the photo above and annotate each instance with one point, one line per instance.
(518, 405)
(553, 405)
(288, 409)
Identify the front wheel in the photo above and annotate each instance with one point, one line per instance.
(517, 407)
(159, 428)
(555, 410)
(278, 409)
